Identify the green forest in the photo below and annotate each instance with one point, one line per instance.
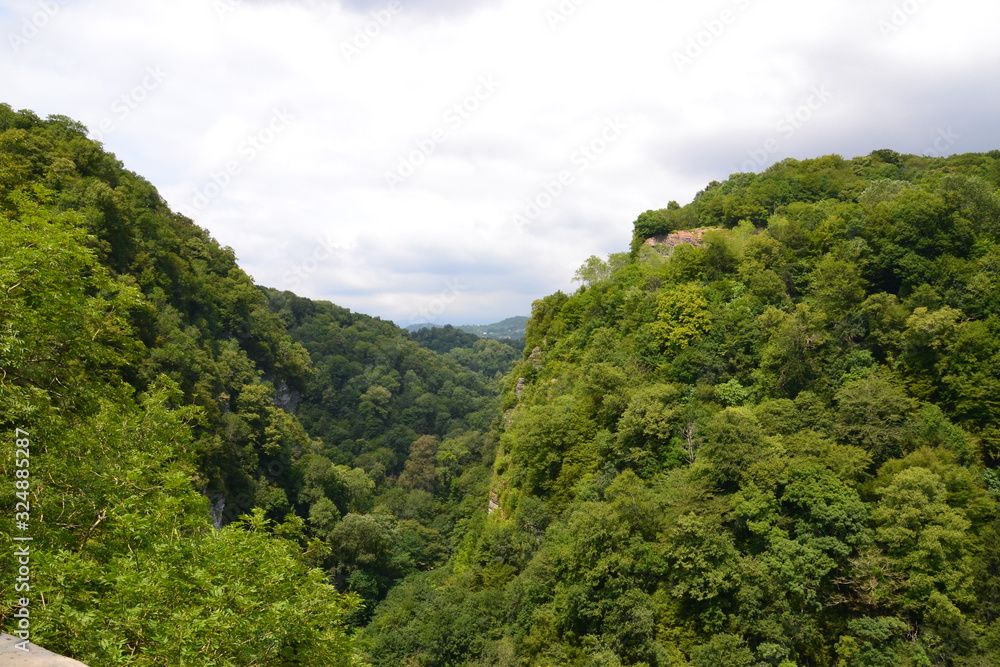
(774, 444)
(220, 474)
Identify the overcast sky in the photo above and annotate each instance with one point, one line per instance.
(452, 161)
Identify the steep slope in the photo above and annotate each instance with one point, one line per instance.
(403, 449)
(134, 354)
(157, 394)
(775, 447)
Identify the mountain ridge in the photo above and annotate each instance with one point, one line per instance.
(207, 453)
(508, 328)
(775, 447)
(741, 451)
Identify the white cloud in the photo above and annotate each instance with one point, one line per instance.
(322, 179)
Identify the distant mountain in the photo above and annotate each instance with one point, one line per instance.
(512, 327)
(422, 325)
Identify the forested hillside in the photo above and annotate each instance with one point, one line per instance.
(488, 356)
(404, 446)
(511, 328)
(768, 441)
(773, 446)
(162, 392)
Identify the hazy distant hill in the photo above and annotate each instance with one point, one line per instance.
(512, 327)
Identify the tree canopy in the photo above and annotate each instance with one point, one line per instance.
(775, 445)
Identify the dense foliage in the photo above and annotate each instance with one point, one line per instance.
(125, 565)
(775, 447)
(443, 339)
(490, 356)
(160, 394)
(404, 446)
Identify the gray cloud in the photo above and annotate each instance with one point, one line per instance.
(394, 250)
(454, 9)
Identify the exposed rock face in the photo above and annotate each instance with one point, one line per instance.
(693, 237)
(35, 656)
(217, 510)
(286, 398)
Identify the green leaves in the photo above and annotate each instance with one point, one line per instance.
(768, 449)
(682, 316)
(216, 598)
(927, 539)
(538, 441)
(119, 352)
(769, 442)
(734, 445)
(872, 413)
(64, 317)
(827, 511)
(871, 643)
(704, 561)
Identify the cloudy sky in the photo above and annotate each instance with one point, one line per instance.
(454, 160)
